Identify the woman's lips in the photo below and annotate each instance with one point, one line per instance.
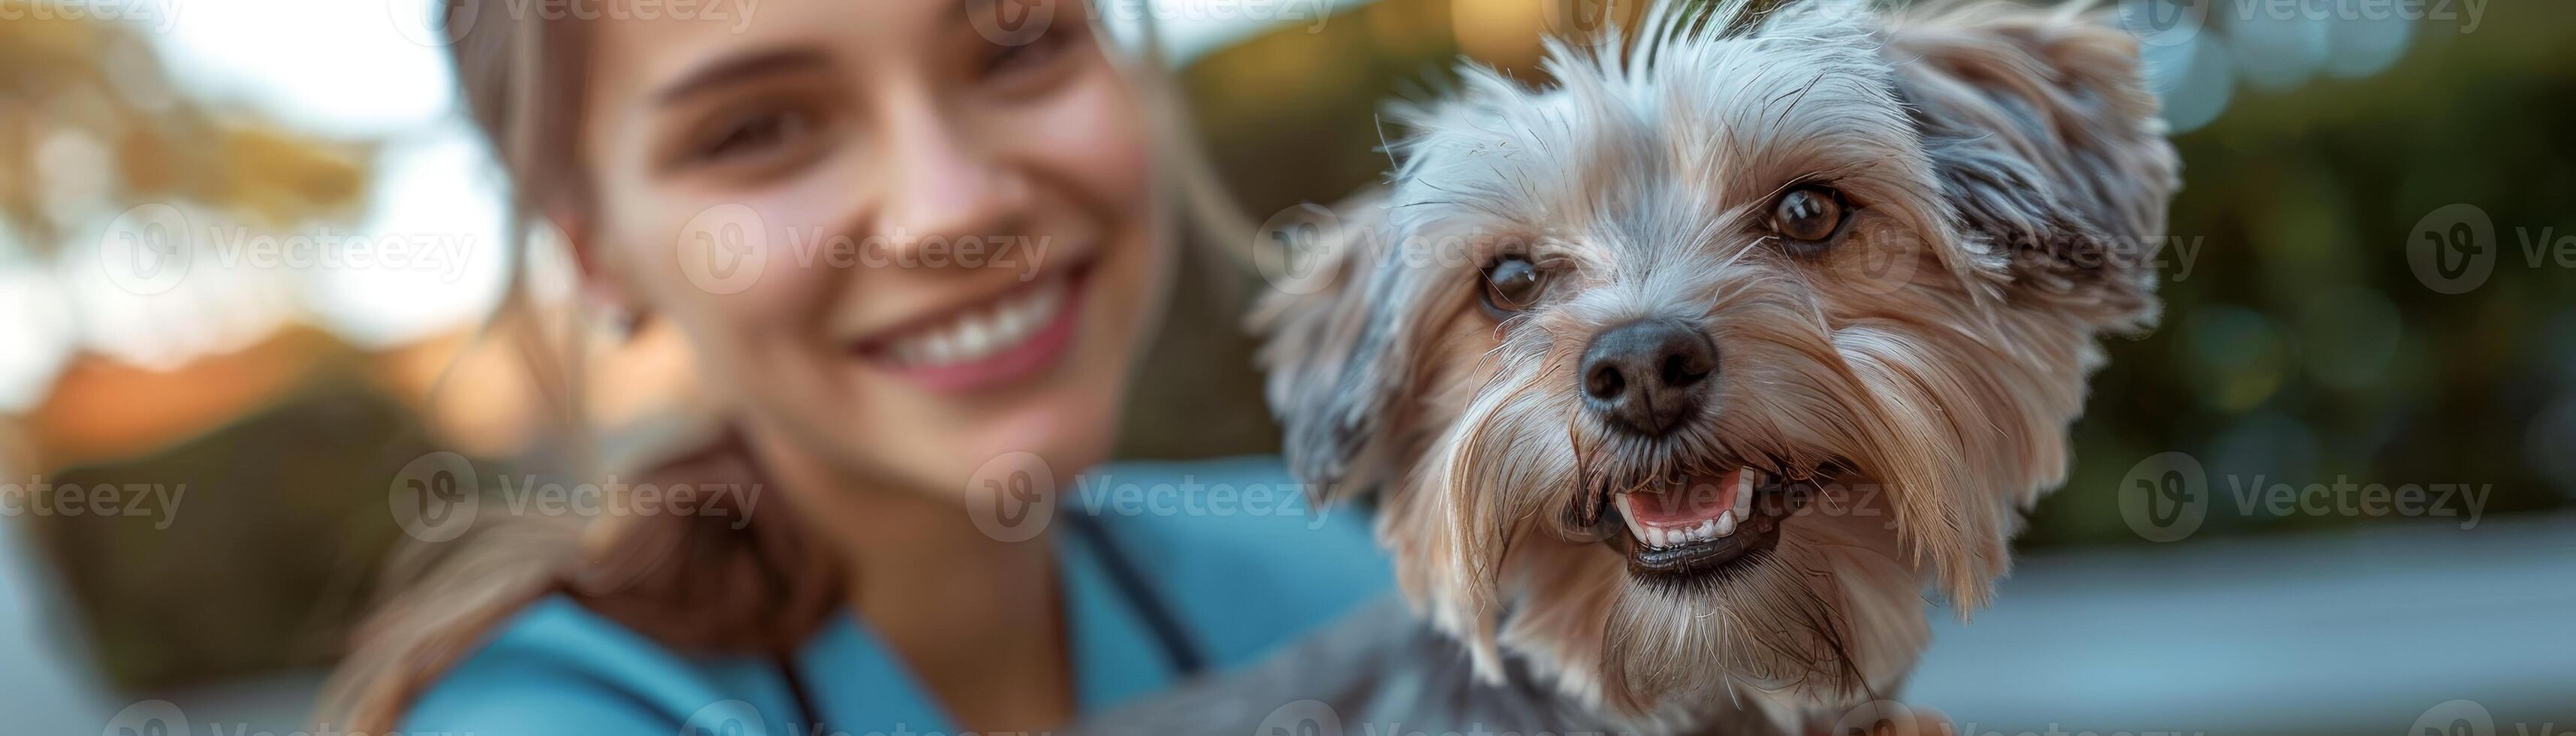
(1013, 336)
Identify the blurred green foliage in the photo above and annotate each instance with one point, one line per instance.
(2301, 347)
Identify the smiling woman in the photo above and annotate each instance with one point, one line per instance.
(695, 167)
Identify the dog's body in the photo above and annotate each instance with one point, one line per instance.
(1681, 379)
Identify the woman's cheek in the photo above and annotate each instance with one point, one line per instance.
(1093, 132)
(750, 263)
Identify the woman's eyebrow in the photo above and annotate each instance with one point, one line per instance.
(739, 68)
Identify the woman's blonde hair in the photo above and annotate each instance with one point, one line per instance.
(691, 582)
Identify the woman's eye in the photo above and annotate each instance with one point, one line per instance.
(1809, 213)
(753, 136)
(1009, 61)
(1513, 284)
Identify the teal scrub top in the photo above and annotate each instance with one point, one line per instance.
(1223, 559)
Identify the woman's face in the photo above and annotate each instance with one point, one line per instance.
(895, 244)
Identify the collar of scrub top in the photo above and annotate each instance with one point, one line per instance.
(1126, 641)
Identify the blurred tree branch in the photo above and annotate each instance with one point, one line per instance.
(70, 83)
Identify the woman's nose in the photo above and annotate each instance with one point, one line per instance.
(941, 185)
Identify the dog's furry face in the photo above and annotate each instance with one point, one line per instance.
(1873, 255)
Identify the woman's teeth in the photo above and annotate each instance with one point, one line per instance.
(981, 332)
(1740, 509)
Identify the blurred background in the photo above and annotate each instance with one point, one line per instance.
(2334, 492)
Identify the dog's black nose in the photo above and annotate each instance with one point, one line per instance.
(1646, 376)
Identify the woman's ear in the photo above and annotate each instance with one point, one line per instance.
(2047, 143)
(604, 282)
(1332, 342)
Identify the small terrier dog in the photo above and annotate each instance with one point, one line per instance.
(1682, 378)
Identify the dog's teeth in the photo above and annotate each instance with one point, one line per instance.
(1628, 514)
(1744, 499)
(1726, 523)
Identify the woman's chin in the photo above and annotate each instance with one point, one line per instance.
(1040, 441)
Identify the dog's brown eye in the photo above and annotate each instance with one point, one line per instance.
(1513, 284)
(1808, 213)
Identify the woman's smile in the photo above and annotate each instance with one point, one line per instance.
(991, 341)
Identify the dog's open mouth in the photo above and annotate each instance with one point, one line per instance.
(1702, 524)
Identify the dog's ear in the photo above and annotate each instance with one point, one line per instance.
(1335, 364)
(2046, 140)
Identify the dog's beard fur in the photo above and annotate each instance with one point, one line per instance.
(2002, 165)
